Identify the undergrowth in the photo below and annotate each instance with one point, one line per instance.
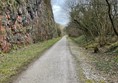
(106, 63)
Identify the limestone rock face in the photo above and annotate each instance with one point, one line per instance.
(23, 22)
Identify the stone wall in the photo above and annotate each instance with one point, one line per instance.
(23, 22)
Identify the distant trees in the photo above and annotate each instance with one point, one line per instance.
(96, 19)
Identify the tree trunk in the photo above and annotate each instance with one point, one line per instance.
(110, 17)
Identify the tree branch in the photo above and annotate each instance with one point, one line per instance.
(110, 17)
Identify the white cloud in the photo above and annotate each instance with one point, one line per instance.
(56, 8)
(60, 15)
(57, 2)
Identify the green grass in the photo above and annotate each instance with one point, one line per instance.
(11, 64)
(80, 40)
(105, 63)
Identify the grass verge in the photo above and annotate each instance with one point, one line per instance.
(85, 72)
(105, 63)
(81, 41)
(13, 63)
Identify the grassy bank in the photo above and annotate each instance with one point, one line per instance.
(13, 63)
(104, 62)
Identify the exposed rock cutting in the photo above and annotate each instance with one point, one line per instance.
(23, 22)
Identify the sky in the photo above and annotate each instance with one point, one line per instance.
(60, 14)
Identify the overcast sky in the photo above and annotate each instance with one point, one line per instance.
(60, 14)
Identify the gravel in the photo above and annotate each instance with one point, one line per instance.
(55, 66)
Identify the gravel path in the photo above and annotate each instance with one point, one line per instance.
(55, 66)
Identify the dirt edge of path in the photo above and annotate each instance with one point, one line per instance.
(85, 70)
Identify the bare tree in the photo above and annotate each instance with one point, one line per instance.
(110, 17)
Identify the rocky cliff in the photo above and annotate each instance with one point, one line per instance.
(23, 22)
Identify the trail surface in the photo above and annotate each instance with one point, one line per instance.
(55, 66)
